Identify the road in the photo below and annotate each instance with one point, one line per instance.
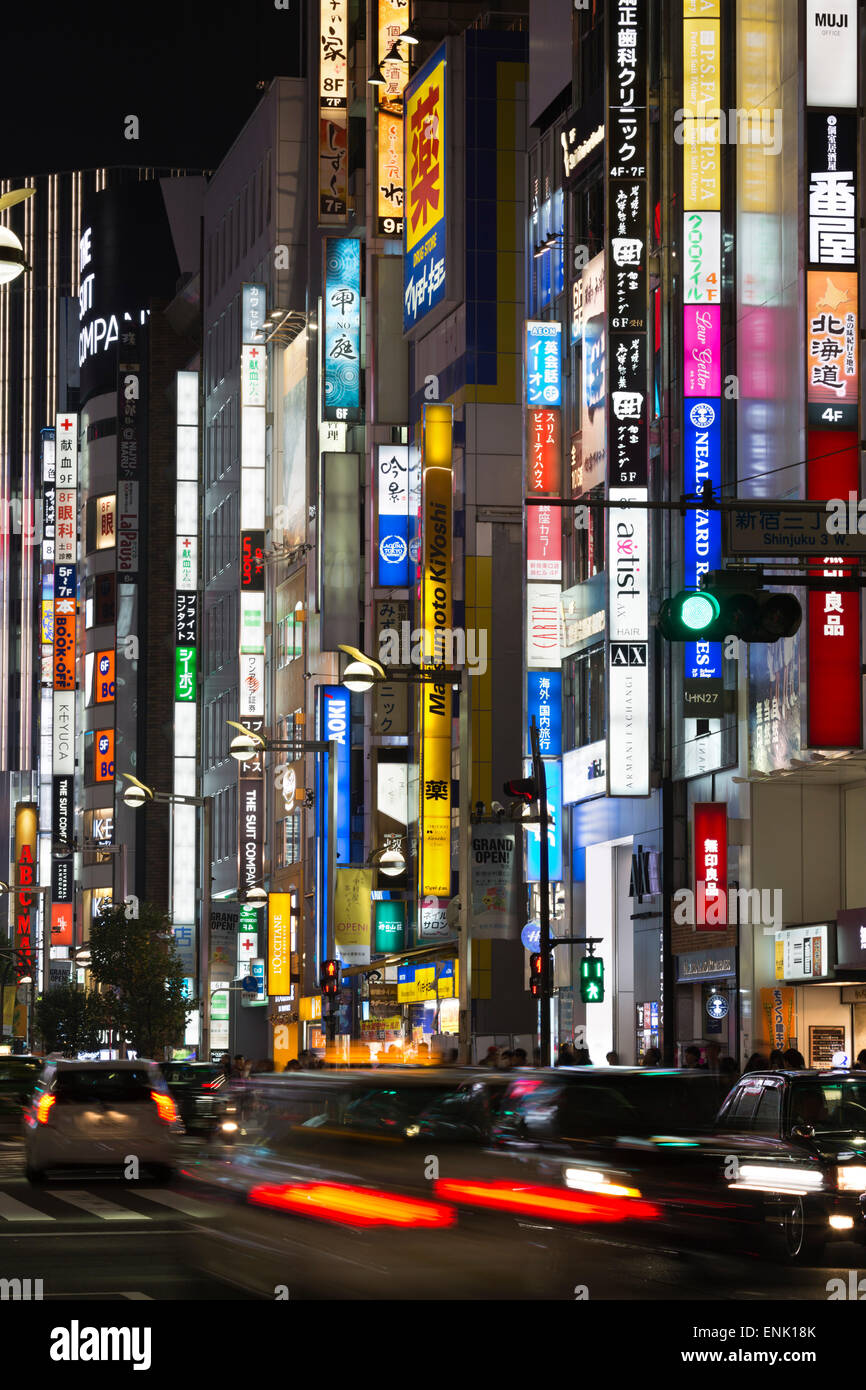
(115, 1240)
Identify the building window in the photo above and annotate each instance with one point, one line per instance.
(589, 708)
(290, 640)
(289, 841)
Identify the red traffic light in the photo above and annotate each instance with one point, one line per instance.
(330, 977)
(521, 789)
(535, 972)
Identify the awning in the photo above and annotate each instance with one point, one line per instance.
(817, 769)
(443, 951)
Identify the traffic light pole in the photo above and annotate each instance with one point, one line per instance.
(544, 893)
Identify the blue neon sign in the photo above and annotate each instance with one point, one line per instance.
(544, 700)
(553, 774)
(702, 463)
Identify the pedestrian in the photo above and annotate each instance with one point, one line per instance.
(451, 1057)
(728, 1070)
(612, 1059)
(226, 1066)
(652, 1057)
(506, 1060)
(566, 1055)
(692, 1057)
(777, 1060)
(861, 1059)
(714, 1052)
(794, 1060)
(238, 1066)
(582, 1057)
(757, 1062)
(492, 1058)
(292, 1065)
(519, 1056)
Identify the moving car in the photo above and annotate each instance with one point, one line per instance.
(200, 1090)
(18, 1076)
(794, 1145)
(98, 1115)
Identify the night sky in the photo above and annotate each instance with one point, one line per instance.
(187, 68)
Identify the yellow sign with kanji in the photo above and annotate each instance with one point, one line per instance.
(436, 599)
(424, 258)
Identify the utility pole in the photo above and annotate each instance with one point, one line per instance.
(540, 776)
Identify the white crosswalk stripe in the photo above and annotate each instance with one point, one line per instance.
(188, 1205)
(96, 1206)
(13, 1210)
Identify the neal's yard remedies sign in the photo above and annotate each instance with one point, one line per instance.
(495, 859)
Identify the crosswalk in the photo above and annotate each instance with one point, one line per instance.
(21, 1204)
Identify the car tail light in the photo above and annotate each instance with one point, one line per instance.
(352, 1206)
(43, 1108)
(550, 1203)
(165, 1106)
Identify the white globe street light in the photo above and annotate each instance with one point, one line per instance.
(243, 747)
(391, 863)
(11, 256)
(134, 797)
(358, 676)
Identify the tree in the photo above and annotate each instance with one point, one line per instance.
(137, 964)
(70, 1019)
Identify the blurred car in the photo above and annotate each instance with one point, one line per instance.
(97, 1114)
(18, 1076)
(793, 1144)
(200, 1091)
(329, 1189)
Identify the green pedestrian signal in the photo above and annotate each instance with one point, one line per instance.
(591, 980)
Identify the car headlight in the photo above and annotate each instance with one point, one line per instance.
(851, 1178)
(585, 1180)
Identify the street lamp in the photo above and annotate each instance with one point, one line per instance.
(135, 796)
(12, 260)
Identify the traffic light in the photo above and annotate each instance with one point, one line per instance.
(535, 974)
(592, 980)
(330, 977)
(521, 789)
(730, 603)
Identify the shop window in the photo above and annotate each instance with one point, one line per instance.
(589, 703)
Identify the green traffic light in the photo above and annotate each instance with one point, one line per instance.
(698, 611)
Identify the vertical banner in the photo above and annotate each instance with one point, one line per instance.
(392, 565)
(425, 136)
(333, 112)
(342, 337)
(711, 865)
(25, 900)
(496, 862)
(279, 943)
(834, 700)
(184, 897)
(627, 280)
(436, 603)
(777, 1003)
(353, 914)
(393, 55)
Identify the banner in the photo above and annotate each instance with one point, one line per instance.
(778, 1006)
(496, 855)
(352, 911)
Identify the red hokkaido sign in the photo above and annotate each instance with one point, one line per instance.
(834, 708)
(711, 865)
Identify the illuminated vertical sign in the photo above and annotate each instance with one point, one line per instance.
(702, 340)
(281, 908)
(103, 755)
(425, 250)
(25, 900)
(831, 52)
(436, 605)
(543, 364)
(394, 59)
(553, 777)
(333, 111)
(544, 704)
(337, 728)
(832, 331)
(543, 543)
(592, 466)
(66, 488)
(627, 280)
(183, 818)
(392, 566)
(342, 336)
(543, 452)
(711, 865)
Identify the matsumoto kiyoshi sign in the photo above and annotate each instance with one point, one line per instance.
(495, 854)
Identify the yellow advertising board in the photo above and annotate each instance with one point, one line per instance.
(702, 165)
(702, 9)
(702, 67)
(778, 1006)
(425, 157)
(436, 597)
(352, 913)
(279, 943)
